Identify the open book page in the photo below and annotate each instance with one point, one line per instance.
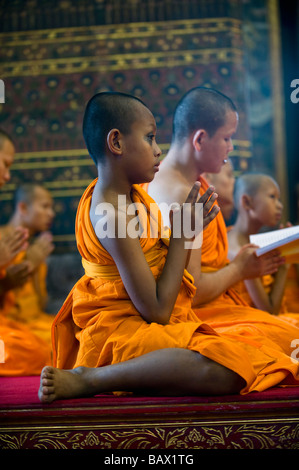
(286, 239)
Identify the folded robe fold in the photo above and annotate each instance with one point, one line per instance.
(22, 352)
(26, 305)
(99, 325)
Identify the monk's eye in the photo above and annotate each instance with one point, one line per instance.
(150, 138)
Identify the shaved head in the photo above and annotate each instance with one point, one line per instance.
(106, 111)
(200, 108)
(250, 184)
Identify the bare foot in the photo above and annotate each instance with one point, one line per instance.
(56, 384)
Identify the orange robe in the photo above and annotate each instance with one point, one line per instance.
(292, 290)
(230, 313)
(284, 313)
(21, 351)
(99, 325)
(26, 307)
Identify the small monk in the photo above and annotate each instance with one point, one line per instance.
(258, 204)
(204, 123)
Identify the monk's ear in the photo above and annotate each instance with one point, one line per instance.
(246, 202)
(114, 141)
(198, 139)
(22, 207)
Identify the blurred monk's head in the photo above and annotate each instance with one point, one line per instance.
(7, 153)
(34, 208)
(257, 195)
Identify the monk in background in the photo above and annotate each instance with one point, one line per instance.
(258, 204)
(23, 352)
(33, 210)
(292, 282)
(224, 184)
(204, 122)
(128, 323)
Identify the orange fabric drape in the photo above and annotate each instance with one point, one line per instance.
(21, 351)
(25, 306)
(99, 325)
(285, 313)
(292, 290)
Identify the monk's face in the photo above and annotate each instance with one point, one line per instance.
(215, 150)
(38, 215)
(7, 153)
(141, 151)
(266, 204)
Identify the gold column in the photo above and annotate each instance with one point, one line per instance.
(280, 151)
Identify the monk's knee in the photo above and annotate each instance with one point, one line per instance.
(220, 380)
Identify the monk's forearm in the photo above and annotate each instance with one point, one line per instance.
(212, 284)
(277, 291)
(5, 285)
(169, 283)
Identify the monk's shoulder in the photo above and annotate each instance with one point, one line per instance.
(169, 187)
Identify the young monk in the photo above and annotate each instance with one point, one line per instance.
(204, 122)
(257, 199)
(33, 211)
(24, 353)
(128, 323)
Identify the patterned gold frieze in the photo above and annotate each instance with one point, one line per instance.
(140, 29)
(121, 47)
(230, 436)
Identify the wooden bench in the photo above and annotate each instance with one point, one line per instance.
(264, 420)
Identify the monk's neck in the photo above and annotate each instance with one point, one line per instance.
(110, 182)
(17, 221)
(182, 161)
(245, 226)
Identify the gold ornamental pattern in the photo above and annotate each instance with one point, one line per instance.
(230, 436)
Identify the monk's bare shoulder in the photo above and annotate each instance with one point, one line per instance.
(166, 189)
(169, 187)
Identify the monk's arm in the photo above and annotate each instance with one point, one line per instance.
(212, 284)
(270, 302)
(153, 298)
(246, 265)
(16, 275)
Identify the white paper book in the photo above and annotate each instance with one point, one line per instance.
(275, 239)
